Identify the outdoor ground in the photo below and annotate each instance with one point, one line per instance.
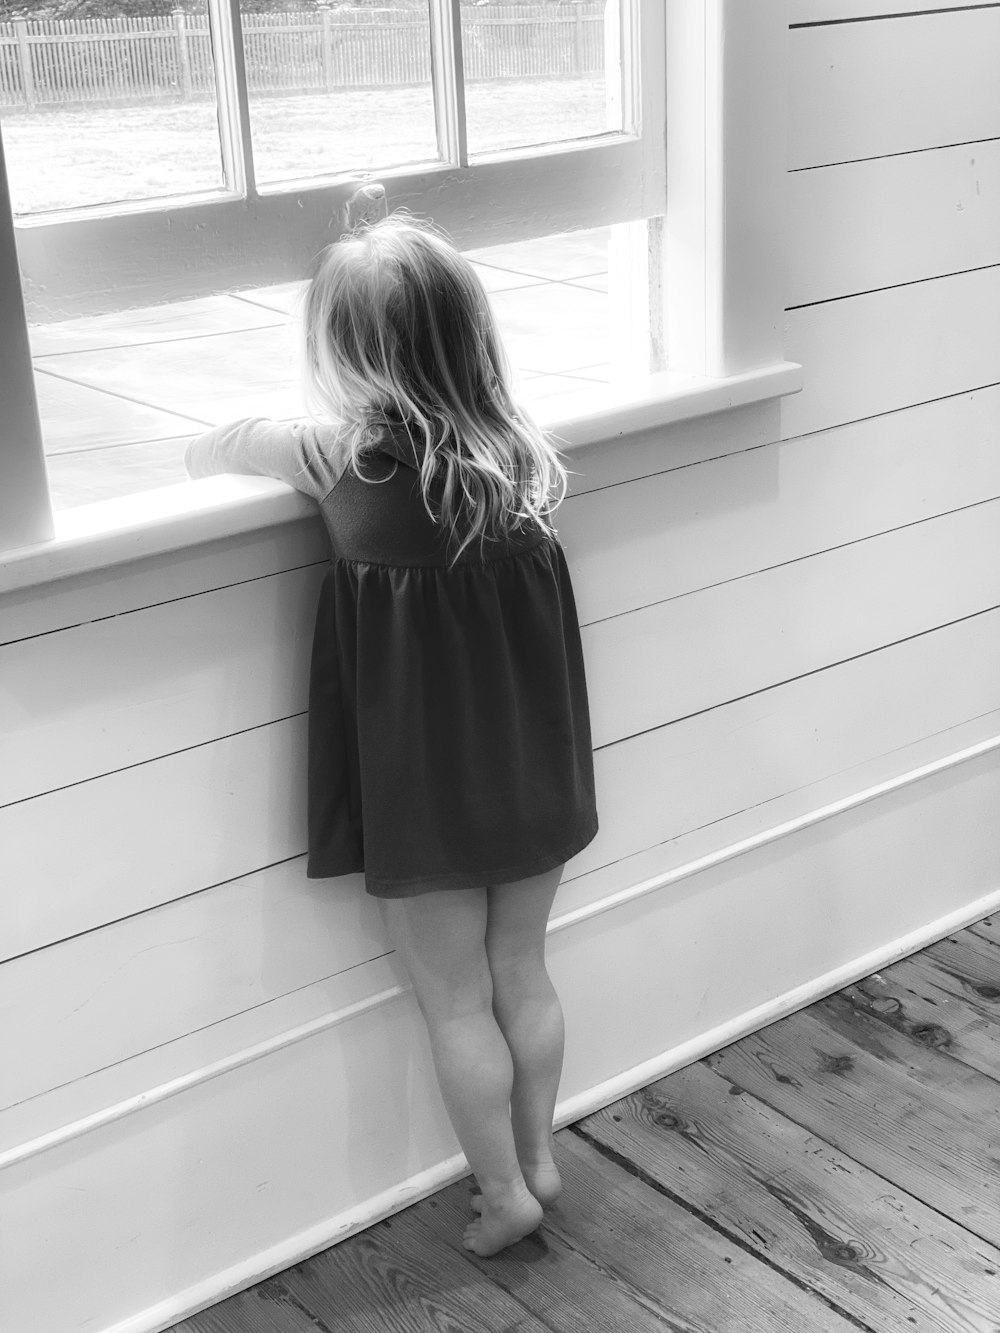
(120, 395)
(87, 155)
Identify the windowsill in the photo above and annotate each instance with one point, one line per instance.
(113, 532)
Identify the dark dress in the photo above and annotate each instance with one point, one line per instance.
(449, 730)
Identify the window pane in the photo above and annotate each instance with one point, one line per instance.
(342, 89)
(120, 395)
(100, 110)
(539, 72)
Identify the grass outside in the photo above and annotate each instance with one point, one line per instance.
(70, 158)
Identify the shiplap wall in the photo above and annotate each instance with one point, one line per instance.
(782, 607)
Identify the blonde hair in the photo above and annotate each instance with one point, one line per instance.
(399, 333)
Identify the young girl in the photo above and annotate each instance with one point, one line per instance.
(450, 753)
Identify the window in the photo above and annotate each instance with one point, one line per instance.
(485, 178)
(431, 140)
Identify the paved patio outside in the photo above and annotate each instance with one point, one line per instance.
(120, 395)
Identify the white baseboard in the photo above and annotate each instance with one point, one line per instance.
(250, 1164)
(572, 1109)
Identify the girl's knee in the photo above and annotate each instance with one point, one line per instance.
(449, 970)
(441, 1002)
(521, 980)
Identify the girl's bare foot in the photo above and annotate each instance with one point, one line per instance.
(502, 1223)
(542, 1179)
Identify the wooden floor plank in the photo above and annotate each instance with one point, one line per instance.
(697, 1278)
(265, 1308)
(815, 1213)
(920, 1121)
(405, 1278)
(972, 1094)
(971, 960)
(850, 1016)
(987, 929)
(928, 1007)
(568, 1289)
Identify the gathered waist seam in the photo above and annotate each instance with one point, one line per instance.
(462, 564)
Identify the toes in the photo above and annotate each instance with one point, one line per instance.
(476, 1203)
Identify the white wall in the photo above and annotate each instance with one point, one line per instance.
(783, 607)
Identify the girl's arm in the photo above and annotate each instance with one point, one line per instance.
(301, 455)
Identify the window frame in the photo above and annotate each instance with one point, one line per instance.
(113, 257)
(711, 277)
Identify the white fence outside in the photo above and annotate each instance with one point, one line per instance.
(105, 61)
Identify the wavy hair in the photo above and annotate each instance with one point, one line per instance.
(399, 334)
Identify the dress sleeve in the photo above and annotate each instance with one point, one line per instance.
(304, 456)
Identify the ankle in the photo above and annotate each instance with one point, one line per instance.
(532, 1153)
(500, 1193)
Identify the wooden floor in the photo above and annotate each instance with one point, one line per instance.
(837, 1170)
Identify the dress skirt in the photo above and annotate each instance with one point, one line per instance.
(449, 730)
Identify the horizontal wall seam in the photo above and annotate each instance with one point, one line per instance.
(167, 601)
(153, 1096)
(891, 411)
(894, 286)
(198, 745)
(790, 680)
(152, 907)
(205, 1027)
(902, 152)
(892, 14)
(810, 555)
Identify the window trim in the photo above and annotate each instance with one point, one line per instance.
(719, 296)
(152, 254)
(25, 508)
(722, 299)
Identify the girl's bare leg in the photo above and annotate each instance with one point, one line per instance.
(441, 939)
(530, 1017)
